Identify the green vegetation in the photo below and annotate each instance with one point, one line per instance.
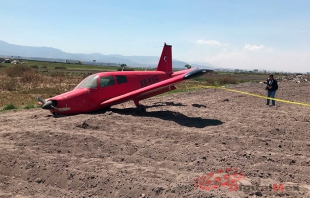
(123, 67)
(9, 107)
(29, 106)
(69, 67)
(188, 66)
(180, 90)
(60, 67)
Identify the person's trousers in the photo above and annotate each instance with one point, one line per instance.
(271, 94)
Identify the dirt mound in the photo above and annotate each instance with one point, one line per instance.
(175, 149)
(295, 78)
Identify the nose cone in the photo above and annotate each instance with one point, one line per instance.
(50, 104)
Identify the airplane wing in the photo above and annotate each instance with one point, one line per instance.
(154, 88)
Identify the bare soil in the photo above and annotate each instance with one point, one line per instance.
(182, 137)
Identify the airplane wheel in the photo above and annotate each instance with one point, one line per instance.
(141, 109)
(55, 115)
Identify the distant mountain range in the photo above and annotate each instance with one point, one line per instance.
(52, 54)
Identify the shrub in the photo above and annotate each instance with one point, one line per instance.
(211, 80)
(57, 74)
(17, 70)
(9, 107)
(200, 79)
(227, 80)
(10, 85)
(31, 77)
(60, 67)
(125, 69)
(35, 66)
(29, 106)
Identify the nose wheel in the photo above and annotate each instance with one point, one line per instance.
(141, 109)
(55, 114)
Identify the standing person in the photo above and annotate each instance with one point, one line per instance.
(272, 87)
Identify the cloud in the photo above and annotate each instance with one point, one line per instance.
(274, 60)
(253, 47)
(227, 56)
(208, 42)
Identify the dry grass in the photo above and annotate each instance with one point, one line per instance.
(20, 84)
(227, 80)
(8, 84)
(217, 80)
(17, 70)
(31, 77)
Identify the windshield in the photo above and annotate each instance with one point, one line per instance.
(89, 82)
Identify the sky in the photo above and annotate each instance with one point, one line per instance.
(271, 35)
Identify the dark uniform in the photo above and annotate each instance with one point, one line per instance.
(272, 87)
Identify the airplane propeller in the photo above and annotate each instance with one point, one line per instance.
(41, 100)
(47, 104)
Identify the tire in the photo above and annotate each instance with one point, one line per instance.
(141, 109)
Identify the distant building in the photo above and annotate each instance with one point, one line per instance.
(255, 70)
(7, 61)
(72, 61)
(15, 62)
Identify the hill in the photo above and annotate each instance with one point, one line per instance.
(53, 54)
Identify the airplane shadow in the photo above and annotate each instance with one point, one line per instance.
(179, 118)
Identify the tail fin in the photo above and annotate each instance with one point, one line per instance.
(165, 61)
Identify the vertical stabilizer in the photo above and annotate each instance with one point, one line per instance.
(165, 61)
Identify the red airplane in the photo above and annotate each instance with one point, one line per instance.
(102, 90)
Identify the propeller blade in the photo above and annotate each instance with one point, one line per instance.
(41, 100)
(48, 105)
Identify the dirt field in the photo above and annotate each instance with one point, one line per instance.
(174, 150)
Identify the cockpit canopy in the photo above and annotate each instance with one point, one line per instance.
(89, 82)
(104, 81)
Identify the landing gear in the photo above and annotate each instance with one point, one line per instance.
(55, 114)
(140, 108)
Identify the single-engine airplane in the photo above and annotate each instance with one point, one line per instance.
(102, 90)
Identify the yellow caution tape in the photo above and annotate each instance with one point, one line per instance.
(256, 95)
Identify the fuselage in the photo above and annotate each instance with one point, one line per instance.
(97, 88)
(106, 89)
